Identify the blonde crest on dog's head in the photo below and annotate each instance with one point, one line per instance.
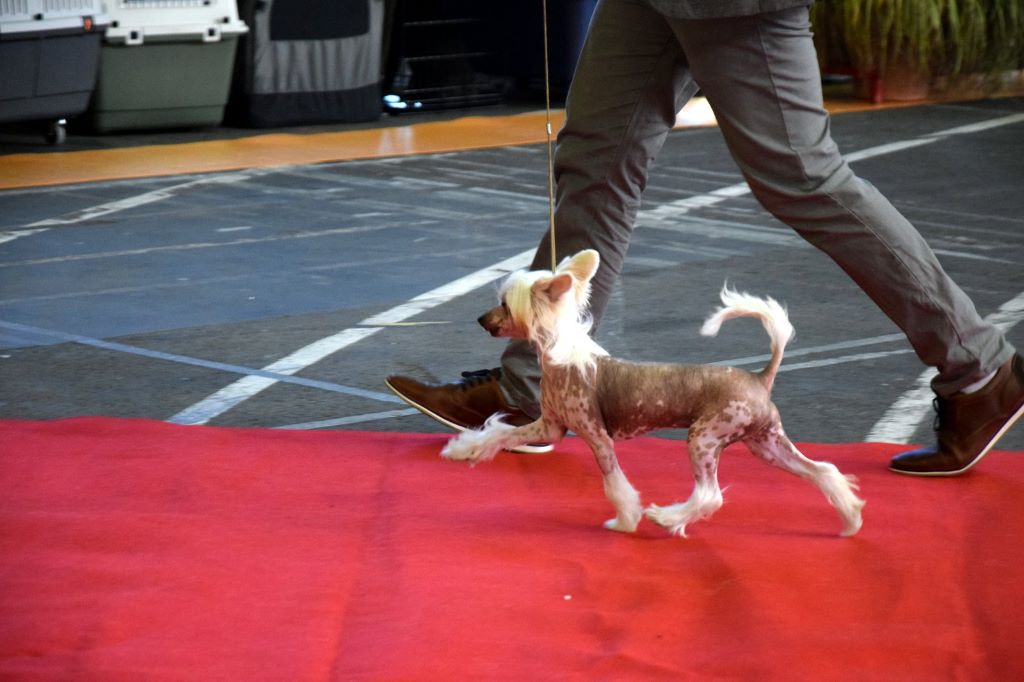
(551, 310)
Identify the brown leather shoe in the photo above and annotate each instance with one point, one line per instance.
(464, 404)
(969, 426)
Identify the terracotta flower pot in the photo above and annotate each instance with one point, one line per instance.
(899, 83)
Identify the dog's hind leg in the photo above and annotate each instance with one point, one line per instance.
(775, 447)
(617, 488)
(705, 448)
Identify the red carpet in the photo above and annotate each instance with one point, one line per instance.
(137, 550)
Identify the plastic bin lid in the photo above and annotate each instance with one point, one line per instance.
(133, 22)
(45, 16)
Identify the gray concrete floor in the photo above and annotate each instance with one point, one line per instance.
(147, 297)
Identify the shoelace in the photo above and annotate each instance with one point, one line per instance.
(942, 413)
(480, 376)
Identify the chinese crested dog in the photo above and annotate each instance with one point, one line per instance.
(603, 399)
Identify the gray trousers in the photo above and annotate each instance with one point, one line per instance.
(760, 75)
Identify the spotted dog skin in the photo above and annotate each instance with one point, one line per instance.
(604, 399)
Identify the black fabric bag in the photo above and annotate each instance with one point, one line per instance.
(308, 62)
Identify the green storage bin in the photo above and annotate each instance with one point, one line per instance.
(165, 64)
(162, 85)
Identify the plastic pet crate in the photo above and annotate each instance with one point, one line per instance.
(165, 64)
(49, 56)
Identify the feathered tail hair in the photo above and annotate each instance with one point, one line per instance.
(772, 315)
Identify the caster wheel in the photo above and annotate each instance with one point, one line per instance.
(57, 133)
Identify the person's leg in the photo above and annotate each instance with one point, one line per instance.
(630, 81)
(764, 85)
(760, 75)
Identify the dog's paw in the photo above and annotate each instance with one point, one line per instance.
(621, 525)
(472, 447)
(852, 520)
(670, 518)
(627, 518)
(850, 528)
(458, 449)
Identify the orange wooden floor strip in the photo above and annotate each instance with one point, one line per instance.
(283, 149)
(274, 149)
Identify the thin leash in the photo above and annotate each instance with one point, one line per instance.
(551, 166)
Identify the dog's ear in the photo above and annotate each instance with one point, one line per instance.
(582, 266)
(554, 287)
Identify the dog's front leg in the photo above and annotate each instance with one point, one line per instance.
(705, 447)
(617, 488)
(482, 444)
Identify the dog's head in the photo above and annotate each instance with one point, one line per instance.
(540, 301)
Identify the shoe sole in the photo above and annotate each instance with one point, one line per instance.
(1007, 425)
(528, 449)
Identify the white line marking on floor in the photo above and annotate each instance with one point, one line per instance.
(135, 201)
(312, 234)
(813, 350)
(150, 197)
(674, 209)
(971, 256)
(30, 332)
(243, 389)
(980, 126)
(11, 236)
(843, 359)
(889, 148)
(353, 419)
(697, 112)
(901, 421)
(418, 323)
(206, 281)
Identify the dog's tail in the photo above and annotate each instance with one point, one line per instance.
(772, 315)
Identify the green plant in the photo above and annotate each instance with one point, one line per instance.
(1005, 40)
(946, 37)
